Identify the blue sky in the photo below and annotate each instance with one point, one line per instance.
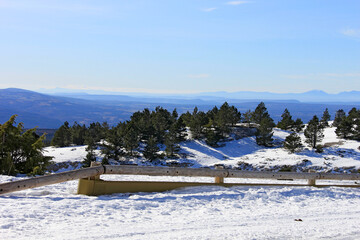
(181, 46)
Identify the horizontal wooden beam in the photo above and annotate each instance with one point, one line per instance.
(207, 172)
(50, 179)
(165, 171)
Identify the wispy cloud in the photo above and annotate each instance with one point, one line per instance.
(208, 9)
(323, 75)
(351, 32)
(202, 75)
(237, 2)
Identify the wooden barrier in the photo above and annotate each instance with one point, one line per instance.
(90, 180)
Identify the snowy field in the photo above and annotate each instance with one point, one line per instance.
(56, 212)
(207, 212)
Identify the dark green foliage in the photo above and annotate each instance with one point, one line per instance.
(197, 124)
(325, 118)
(131, 138)
(90, 156)
(113, 147)
(298, 125)
(259, 113)
(338, 117)
(286, 123)
(349, 126)
(212, 137)
(78, 134)
(161, 121)
(20, 152)
(293, 143)
(264, 132)
(62, 137)
(314, 132)
(344, 128)
(151, 149)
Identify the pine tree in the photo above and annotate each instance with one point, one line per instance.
(259, 113)
(344, 128)
(62, 137)
(90, 156)
(264, 132)
(286, 122)
(78, 133)
(113, 147)
(131, 138)
(325, 118)
(298, 125)
(197, 123)
(21, 151)
(293, 143)
(314, 132)
(151, 149)
(338, 117)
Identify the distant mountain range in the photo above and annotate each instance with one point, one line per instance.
(52, 109)
(317, 96)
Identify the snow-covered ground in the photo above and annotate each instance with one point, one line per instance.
(341, 156)
(206, 212)
(56, 212)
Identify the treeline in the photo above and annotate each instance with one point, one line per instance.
(147, 132)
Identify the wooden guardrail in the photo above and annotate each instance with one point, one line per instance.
(219, 174)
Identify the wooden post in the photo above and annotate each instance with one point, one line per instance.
(311, 182)
(95, 164)
(219, 179)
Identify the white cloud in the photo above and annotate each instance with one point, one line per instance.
(237, 2)
(202, 75)
(208, 9)
(351, 32)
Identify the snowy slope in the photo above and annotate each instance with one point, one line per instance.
(341, 156)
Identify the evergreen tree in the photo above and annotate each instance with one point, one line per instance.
(264, 132)
(325, 118)
(78, 134)
(131, 138)
(21, 151)
(298, 125)
(161, 121)
(314, 132)
(293, 142)
(224, 119)
(171, 143)
(338, 117)
(286, 122)
(113, 147)
(197, 123)
(90, 156)
(344, 128)
(151, 149)
(259, 113)
(213, 136)
(62, 137)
